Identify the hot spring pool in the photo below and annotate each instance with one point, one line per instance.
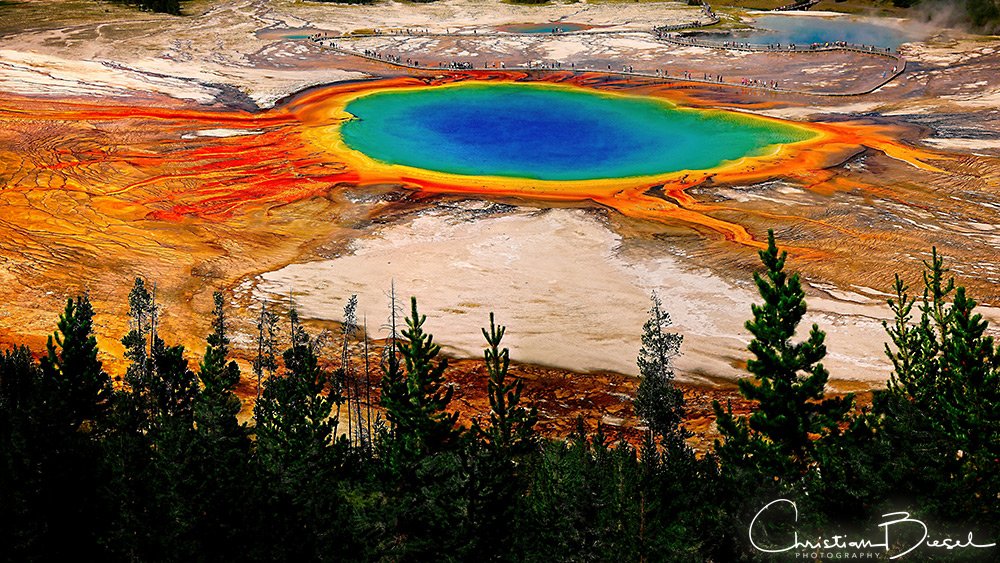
(805, 30)
(557, 27)
(548, 132)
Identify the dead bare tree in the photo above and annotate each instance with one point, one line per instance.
(368, 390)
(267, 332)
(349, 327)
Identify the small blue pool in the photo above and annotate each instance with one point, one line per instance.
(556, 27)
(806, 30)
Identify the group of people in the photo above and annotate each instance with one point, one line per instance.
(402, 32)
(370, 53)
(456, 65)
(662, 33)
(625, 69)
(758, 83)
(396, 59)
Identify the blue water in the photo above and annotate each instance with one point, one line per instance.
(288, 33)
(543, 27)
(550, 133)
(805, 30)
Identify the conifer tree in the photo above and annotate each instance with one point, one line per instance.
(220, 453)
(789, 377)
(510, 432)
(423, 453)
(18, 375)
(217, 406)
(658, 402)
(344, 380)
(128, 445)
(293, 415)
(159, 383)
(72, 370)
(151, 451)
(945, 363)
(970, 398)
(296, 452)
(21, 528)
(369, 429)
(174, 387)
(669, 480)
(416, 403)
(506, 442)
(51, 468)
(944, 393)
(218, 374)
(393, 383)
(137, 350)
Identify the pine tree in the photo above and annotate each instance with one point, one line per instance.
(658, 402)
(152, 448)
(51, 420)
(128, 445)
(970, 399)
(369, 428)
(174, 388)
(18, 375)
(423, 453)
(510, 432)
(416, 403)
(218, 375)
(944, 394)
(174, 474)
(789, 377)
(668, 471)
(344, 380)
(72, 369)
(296, 454)
(393, 383)
(945, 363)
(137, 350)
(220, 454)
(21, 529)
(217, 405)
(159, 384)
(505, 444)
(293, 415)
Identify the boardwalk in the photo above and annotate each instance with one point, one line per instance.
(662, 34)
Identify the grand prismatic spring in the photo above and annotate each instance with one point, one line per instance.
(308, 152)
(551, 133)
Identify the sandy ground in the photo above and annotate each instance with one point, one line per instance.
(226, 43)
(569, 293)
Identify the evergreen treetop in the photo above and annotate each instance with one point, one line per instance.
(416, 403)
(511, 429)
(217, 375)
(72, 368)
(658, 402)
(789, 379)
(946, 368)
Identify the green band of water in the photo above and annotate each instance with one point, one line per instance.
(551, 133)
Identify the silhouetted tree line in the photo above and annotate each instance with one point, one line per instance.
(160, 469)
